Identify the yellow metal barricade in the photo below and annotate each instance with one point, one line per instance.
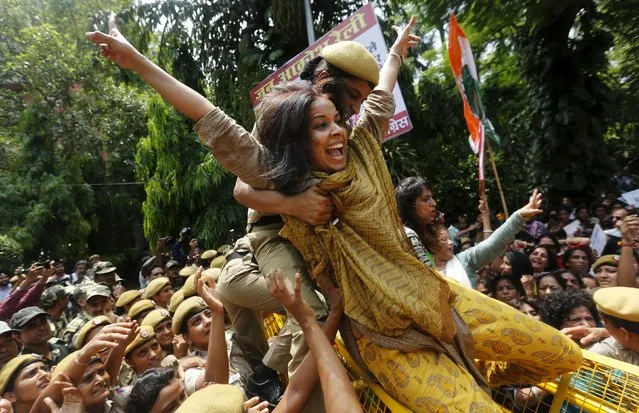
(600, 385)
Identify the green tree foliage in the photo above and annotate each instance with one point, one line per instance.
(10, 254)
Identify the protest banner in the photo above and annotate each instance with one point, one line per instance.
(361, 27)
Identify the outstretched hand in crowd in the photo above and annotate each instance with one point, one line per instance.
(72, 401)
(533, 207)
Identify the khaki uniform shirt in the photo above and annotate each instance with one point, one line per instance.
(611, 348)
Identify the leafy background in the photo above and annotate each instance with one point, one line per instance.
(91, 160)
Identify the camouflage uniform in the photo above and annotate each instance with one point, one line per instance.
(58, 349)
(74, 326)
(59, 326)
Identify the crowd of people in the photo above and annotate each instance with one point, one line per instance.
(437, 316)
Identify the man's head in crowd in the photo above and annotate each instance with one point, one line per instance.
(58, 268)
(605, 269)
(54, 300)
(156, 272)
(94, 260)
(98, 300)
(192, 319)
(618, 216)
(22, 379)
(144, 352)
(105, 274)
(620, 313)
(8, 344)
(161, 322)
(33, 325)
(81, 268)
(4, 278)
(172, 270)
(158, 390)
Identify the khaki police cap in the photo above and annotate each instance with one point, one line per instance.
(186, 310)
(145, 335)
(176, 300)
(156, 286)
(218, 262)
(212, 273)
(354, 59)
(188, 271)
(127, 298)
(216, 398)
(208, 254)
(171, 263)
(606, 260)
(619, 302)
(223, 249)
(139, 307)
(188, 289)
(155, 317)
(88, 327)
(13, 366)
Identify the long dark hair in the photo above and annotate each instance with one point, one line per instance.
(552, 257)
(406, 193)
(492, 287)
(282, 125)
(520, 264)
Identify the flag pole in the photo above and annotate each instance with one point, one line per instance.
(501, 191)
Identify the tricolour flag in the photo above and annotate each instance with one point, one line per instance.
(465, 72)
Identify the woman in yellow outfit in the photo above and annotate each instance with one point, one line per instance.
(415, 332)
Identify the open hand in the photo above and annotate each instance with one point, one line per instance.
(533, 207)
(109, 337)
(630, 229)
(207, 290)
(115, 47)
(293, 301)
(586, 335)
(312, 206)
(73, 402)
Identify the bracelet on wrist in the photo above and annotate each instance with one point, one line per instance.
(488, 231)
(624, 244)
(401, 59)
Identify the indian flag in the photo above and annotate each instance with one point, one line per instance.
(467, 80)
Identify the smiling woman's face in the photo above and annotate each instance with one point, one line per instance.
(329, 140)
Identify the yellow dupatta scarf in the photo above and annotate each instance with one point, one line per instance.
(386, 288)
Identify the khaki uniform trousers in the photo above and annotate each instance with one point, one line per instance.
(242, 286)
(510, 348)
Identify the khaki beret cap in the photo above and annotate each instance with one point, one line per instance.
(212, 273)
(13, 366)
(216, 398)
(606, 260)
(218, 262)
(208, 254)
(176, 300)
(140, 307)
(619, 302)
(145, 335)
(354, 59)
(155, 287)
(186, 310)
(188, 271)
(155, 317)
(127, 298)
(223, 249)
(64, 363)
(88, 327)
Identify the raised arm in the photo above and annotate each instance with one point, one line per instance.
(337, 390)
(233, 147)
(304, 381)
(217, 362)
(626, 274)
(116, 48)
(398, 51)
(312, 206)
